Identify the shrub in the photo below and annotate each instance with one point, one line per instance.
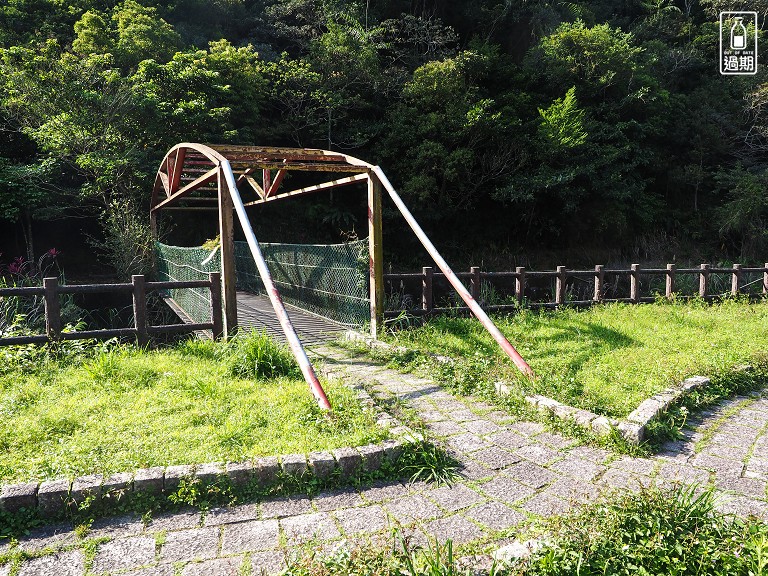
(256, 355)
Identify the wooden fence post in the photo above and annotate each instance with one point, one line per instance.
(140, 309)
(599, 279)
(520, 284)
(765, 280)
(375, 256)
(52, 308)
(560, 286)
(634, 283)
(218, 325)
(736, 279)
(426, 288)
(228, 268)
(704, 280)
(475, 282)
(670, 291)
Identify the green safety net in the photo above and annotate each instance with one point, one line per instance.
(330, 280)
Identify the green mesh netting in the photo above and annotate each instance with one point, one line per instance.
(330, 280)
(175, 263)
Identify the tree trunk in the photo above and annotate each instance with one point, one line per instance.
(29, 241)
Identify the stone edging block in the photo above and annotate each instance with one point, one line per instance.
(53, 497)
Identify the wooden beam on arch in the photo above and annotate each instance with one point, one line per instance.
(315, 188)
(194, 185)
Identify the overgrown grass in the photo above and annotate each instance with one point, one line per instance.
(606, 358)
(117, 408)
(676, 533)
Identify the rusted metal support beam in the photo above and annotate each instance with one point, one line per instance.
(192, 186)
(375, 256)
(455, 282)
(228, 270)
(315, 188)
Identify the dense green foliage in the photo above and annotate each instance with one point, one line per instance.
(606, 359)
(81, 410)
(511, 123)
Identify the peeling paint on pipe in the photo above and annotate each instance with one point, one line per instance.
(455, 282)
(274, 296)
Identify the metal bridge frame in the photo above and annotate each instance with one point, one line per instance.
(207, 177)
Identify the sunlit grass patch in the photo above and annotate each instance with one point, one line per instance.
(125, 408)
(606, 358)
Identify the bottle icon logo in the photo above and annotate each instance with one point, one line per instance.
(738, 35)
(738, 43)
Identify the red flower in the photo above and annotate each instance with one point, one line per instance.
(53, 252)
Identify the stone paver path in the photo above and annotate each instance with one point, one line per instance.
(512, 470)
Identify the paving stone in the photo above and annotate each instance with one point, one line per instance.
(527, 428)
(462, 415)
(157, 570)
(62, 564)
(267, 562)
(362, 520)
(757, 468)
(597, 455)
(411, 508)
(531, 474)
(175, 474)
(617, 478)
(431, 415)
(294, 464)
(481, 427)
(498, 417)
(322, 464)
(747, 486)
(723, 468)
(509, 439)
(117, 527)
(382, 491)
(148, 480)
(538, 453)
(175, 521)
(546, 504)
(635, 465)
(197, 543)
(496, 515)
(231, 514)
(554, 440)
(458, 529)
(282, 507)
(445, 428)
(250, 536)
(124, 554)
(52, 497)
(453, 498)
(349, 461)
(472, 470)
(573, 490)
(373, 456)
(449, 405)
(266, 470)
(466, 442)
(14, 497)
(327, 501)
(309, 527)
(683, 473)
(741, 506)
(578, 468)
(730, 439)
(53, 536)
(115, 487)
(495, 458)
(737, 453)
(5, 569)
(217, 567)
(506, 489)
(240, 473)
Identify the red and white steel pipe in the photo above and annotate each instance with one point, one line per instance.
(274, 295)
(452, 278)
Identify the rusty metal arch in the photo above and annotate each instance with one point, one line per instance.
(219, 170)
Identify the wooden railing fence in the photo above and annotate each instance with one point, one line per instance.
(138, 287)
(561, 276)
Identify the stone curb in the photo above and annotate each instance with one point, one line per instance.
(632, 428)
(52, 498)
